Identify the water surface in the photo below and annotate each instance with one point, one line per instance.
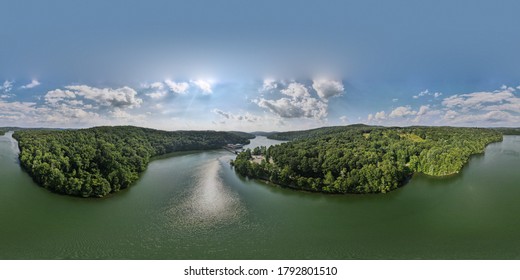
(194, 206)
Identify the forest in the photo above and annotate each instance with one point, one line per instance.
(362, 159)
(95, 162)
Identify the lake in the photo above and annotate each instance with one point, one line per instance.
(194, 206)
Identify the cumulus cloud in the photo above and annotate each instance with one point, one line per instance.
(290, 108)
(203, 85)
(179, 87)
(60, 115)
(16, 110)
(493, 117)
(222, 113)
(269, 85)
(34, 83)
(405, 114)
(379, 116)
(423, 110)
(296, 90)
(57, 95)
(157, 94)
(124, 97)
(500, 106)
(230, 116)
(156, 85)
(343, 119)
(155, 90)
(63, 114)
(493, 108)
(328, 88)
(402, 111)
(298, 103)
(7, 86)
(427, 93)
(481, 100)
(74, 106)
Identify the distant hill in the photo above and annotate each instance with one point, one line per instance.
(301, 134)
(264, 133)
(243, 134)
(508, 130)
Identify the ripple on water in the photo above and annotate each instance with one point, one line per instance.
(209, 203)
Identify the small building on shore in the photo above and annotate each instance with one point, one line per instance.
(235, 146)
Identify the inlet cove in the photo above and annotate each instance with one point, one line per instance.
(193, 204)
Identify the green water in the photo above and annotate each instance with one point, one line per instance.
(193, 206)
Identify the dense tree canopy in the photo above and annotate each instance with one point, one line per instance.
(363, 159)
(3, 130)
(508, 130)
(102, 160)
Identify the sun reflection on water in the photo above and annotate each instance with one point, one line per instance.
(209, 203)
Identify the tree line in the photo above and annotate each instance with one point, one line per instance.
(363, 159)
(95, 162)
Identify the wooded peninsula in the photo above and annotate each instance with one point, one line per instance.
(95, 162)
(362, 159)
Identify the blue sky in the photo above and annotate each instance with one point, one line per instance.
(259, 65)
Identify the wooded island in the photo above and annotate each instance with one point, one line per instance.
(362, 159)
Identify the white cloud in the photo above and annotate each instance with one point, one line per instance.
(248, 117)
(423, 110)
(328, 88)
(28, 113)
(269, 85)
(16, 110)
(7, 86)
(157, 94)
(204, 85)
(395, 100)
(343, 119)
(427, 93)
(124, 97)
(402, 111)
(32, 84)
(179, 88)
(290, 108)
(222, 113)
(299, 103)
(403, 115)
(479, 100)
(64, 113)
(493, 117)
(155, 90)
(57, 95)
(296, 90)
(501, 106)
(380, 115)
(157, 85)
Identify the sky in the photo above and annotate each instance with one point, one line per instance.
(259, 65)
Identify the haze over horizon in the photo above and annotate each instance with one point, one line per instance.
(262, 66)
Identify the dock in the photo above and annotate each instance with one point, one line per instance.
(234, 148)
